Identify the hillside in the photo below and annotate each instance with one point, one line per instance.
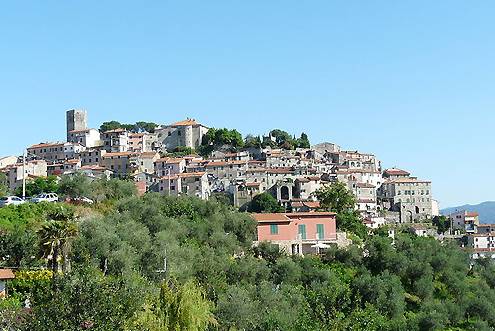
(485, 209)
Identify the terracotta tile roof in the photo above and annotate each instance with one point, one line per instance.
(6, 274)
(192, 174)
(147, 154)
(472, 214)
(224, 163)
(170, 160)
(271, 217)
(407, 180)
(365, 185)
(73, 161)
(281, 217)
(46, 145)
(119, 130)
(396, 172)
(186, 122)
(169, 177)
(312, 204)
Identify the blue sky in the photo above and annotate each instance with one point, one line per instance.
(411, 81)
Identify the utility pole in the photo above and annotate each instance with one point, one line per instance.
(169, 179)
(24, 174)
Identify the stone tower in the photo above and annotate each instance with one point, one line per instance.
(76, 120)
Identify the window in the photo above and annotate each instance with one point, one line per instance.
(302, 231)
(273, 228)
(320, 230)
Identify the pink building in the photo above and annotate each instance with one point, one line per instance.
(299, 233)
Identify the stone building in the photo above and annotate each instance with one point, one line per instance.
(409, 196)
(187, 133)
(76, 120)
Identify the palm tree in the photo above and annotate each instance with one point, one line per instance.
(56, 234)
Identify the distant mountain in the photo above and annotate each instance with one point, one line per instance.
(485, 209)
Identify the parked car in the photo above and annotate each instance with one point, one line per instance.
(82, 200)
(12, 200)
(45, 197)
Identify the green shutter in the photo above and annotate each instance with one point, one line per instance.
(320, 229)
(302, 231)
(273, 229)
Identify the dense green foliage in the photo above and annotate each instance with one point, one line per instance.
(442, 223)
(4, 187)
(336, 197)
(137, 127)
(264, 203)
(283, 139)
(39, 185)
(216, 138)
(216, 280)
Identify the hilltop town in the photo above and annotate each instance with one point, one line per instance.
(290, 173)
(188, 158)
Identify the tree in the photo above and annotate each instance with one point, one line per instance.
(39, 185)
(303, 141)
(4, 187)
(111, 125)
(264, 203)
(442, 223)
(219, 137)
(56, 235)
(282, 137)
(351, 221)
(179, 307)
(336, 197)
(252, 141)
(86, 300)
(113, 189)
(75, 185)
(145, 127)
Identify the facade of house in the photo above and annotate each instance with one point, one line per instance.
(89, 138)
(91, 156)
(50, 152)
(298, 233)
(118, 163)
(169, 166)
(32, 169)
(143, 162)
(7, 161)
(464, 221)
(116, 141)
